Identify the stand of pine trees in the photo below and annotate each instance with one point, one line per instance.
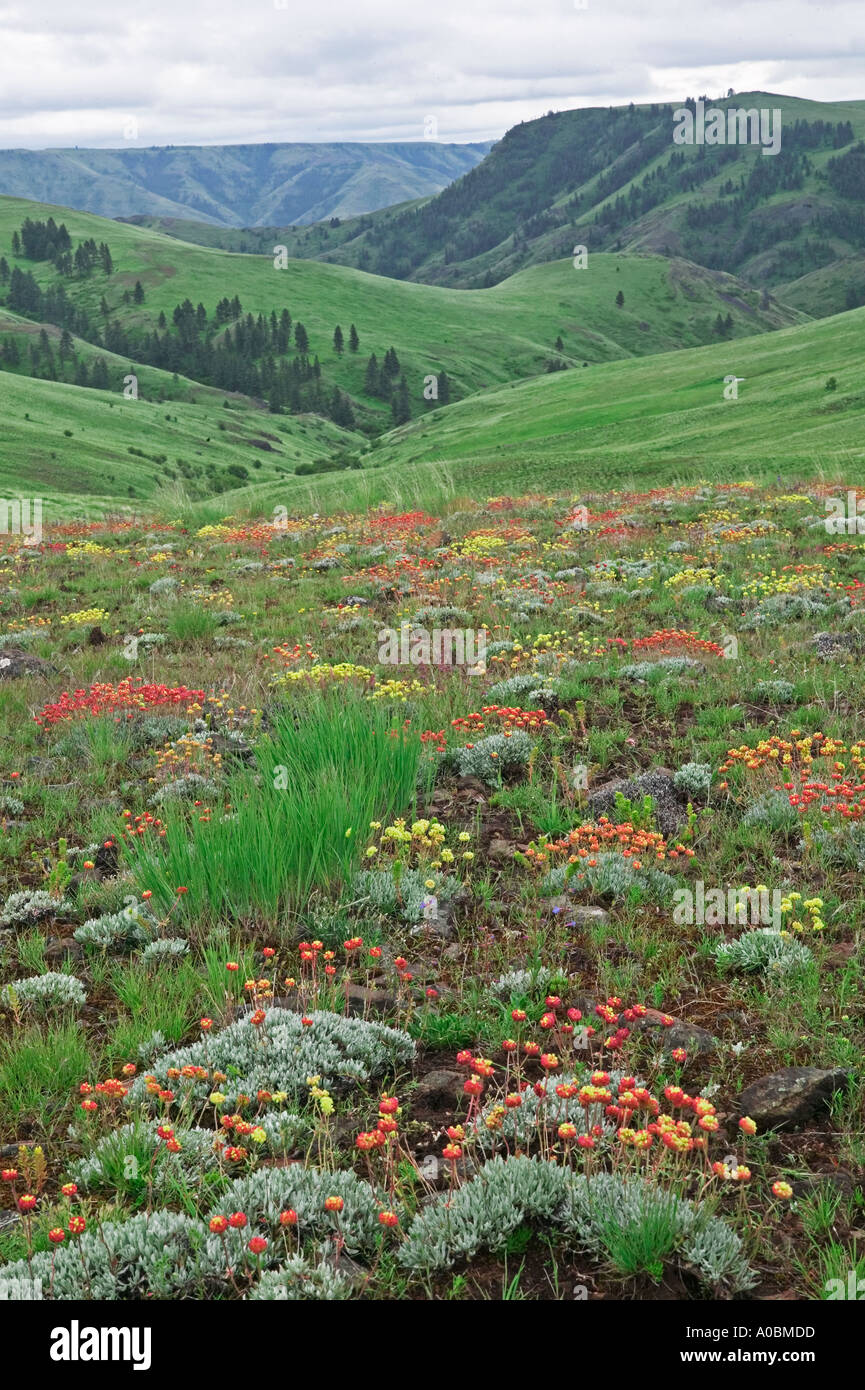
(266, 356)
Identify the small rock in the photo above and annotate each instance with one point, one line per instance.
(361, 1000)
(657, 783)
(843, 1183)
(789, 1097)
(15, 663)
(587, 916)
(63, 947)
(690, 1036)
(439, 1089)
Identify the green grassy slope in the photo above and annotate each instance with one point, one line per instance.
(480, 338)
(626, 416)
(613, 178)
(643, 423)
(72, 446)
(153, 383)
(646, 422)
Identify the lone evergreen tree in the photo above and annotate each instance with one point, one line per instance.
(620, 299)
(338, 340)
(372, 380)
(138, 292)
(353, 339)
(400, 403)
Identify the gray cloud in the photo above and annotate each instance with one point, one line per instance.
(213, 71)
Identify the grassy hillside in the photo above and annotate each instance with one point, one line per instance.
(646, 422)
(654, 422)
(613, 179)
(665, 414)
(480, 338)
(233, 185)
(79, 448)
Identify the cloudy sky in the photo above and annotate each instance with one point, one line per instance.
(220, 71)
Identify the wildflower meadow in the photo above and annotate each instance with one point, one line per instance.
(342, 962)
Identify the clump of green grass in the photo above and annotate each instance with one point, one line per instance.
(296, 822)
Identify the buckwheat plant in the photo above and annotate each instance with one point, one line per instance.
(765, 951)
(43, 992)
(277, 1053)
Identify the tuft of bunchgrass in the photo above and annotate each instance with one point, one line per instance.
(295, 823)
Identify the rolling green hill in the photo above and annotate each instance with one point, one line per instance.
(612, 179)
(637, 424)
(233, 185)
(664, 416)
(479, 338)
(78, 448)
(641, 422)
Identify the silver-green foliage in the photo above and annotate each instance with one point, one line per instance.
(31, 905)
(282, 1052)
(694, 780)
(512, 690)
(118, 931)
(157, 1255)
(51, 990)
(497, 754)
(165, 951)
(636, 1224)
(298, 1278)
(267, 1192)
(381, 889)
(612, 876)
(763, 950)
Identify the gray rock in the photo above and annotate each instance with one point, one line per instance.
(439, 1089)
(14, 663)
(363, 1001)
(657, 783)
(832, 644)
(789, 1097)
(695, 1040)
(581, 916)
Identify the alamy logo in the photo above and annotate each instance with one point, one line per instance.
(77, 1343)
(845, 521)
(735, 126)
(416, 646)
(15, 518)
(853, 1288)
(715, 908)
